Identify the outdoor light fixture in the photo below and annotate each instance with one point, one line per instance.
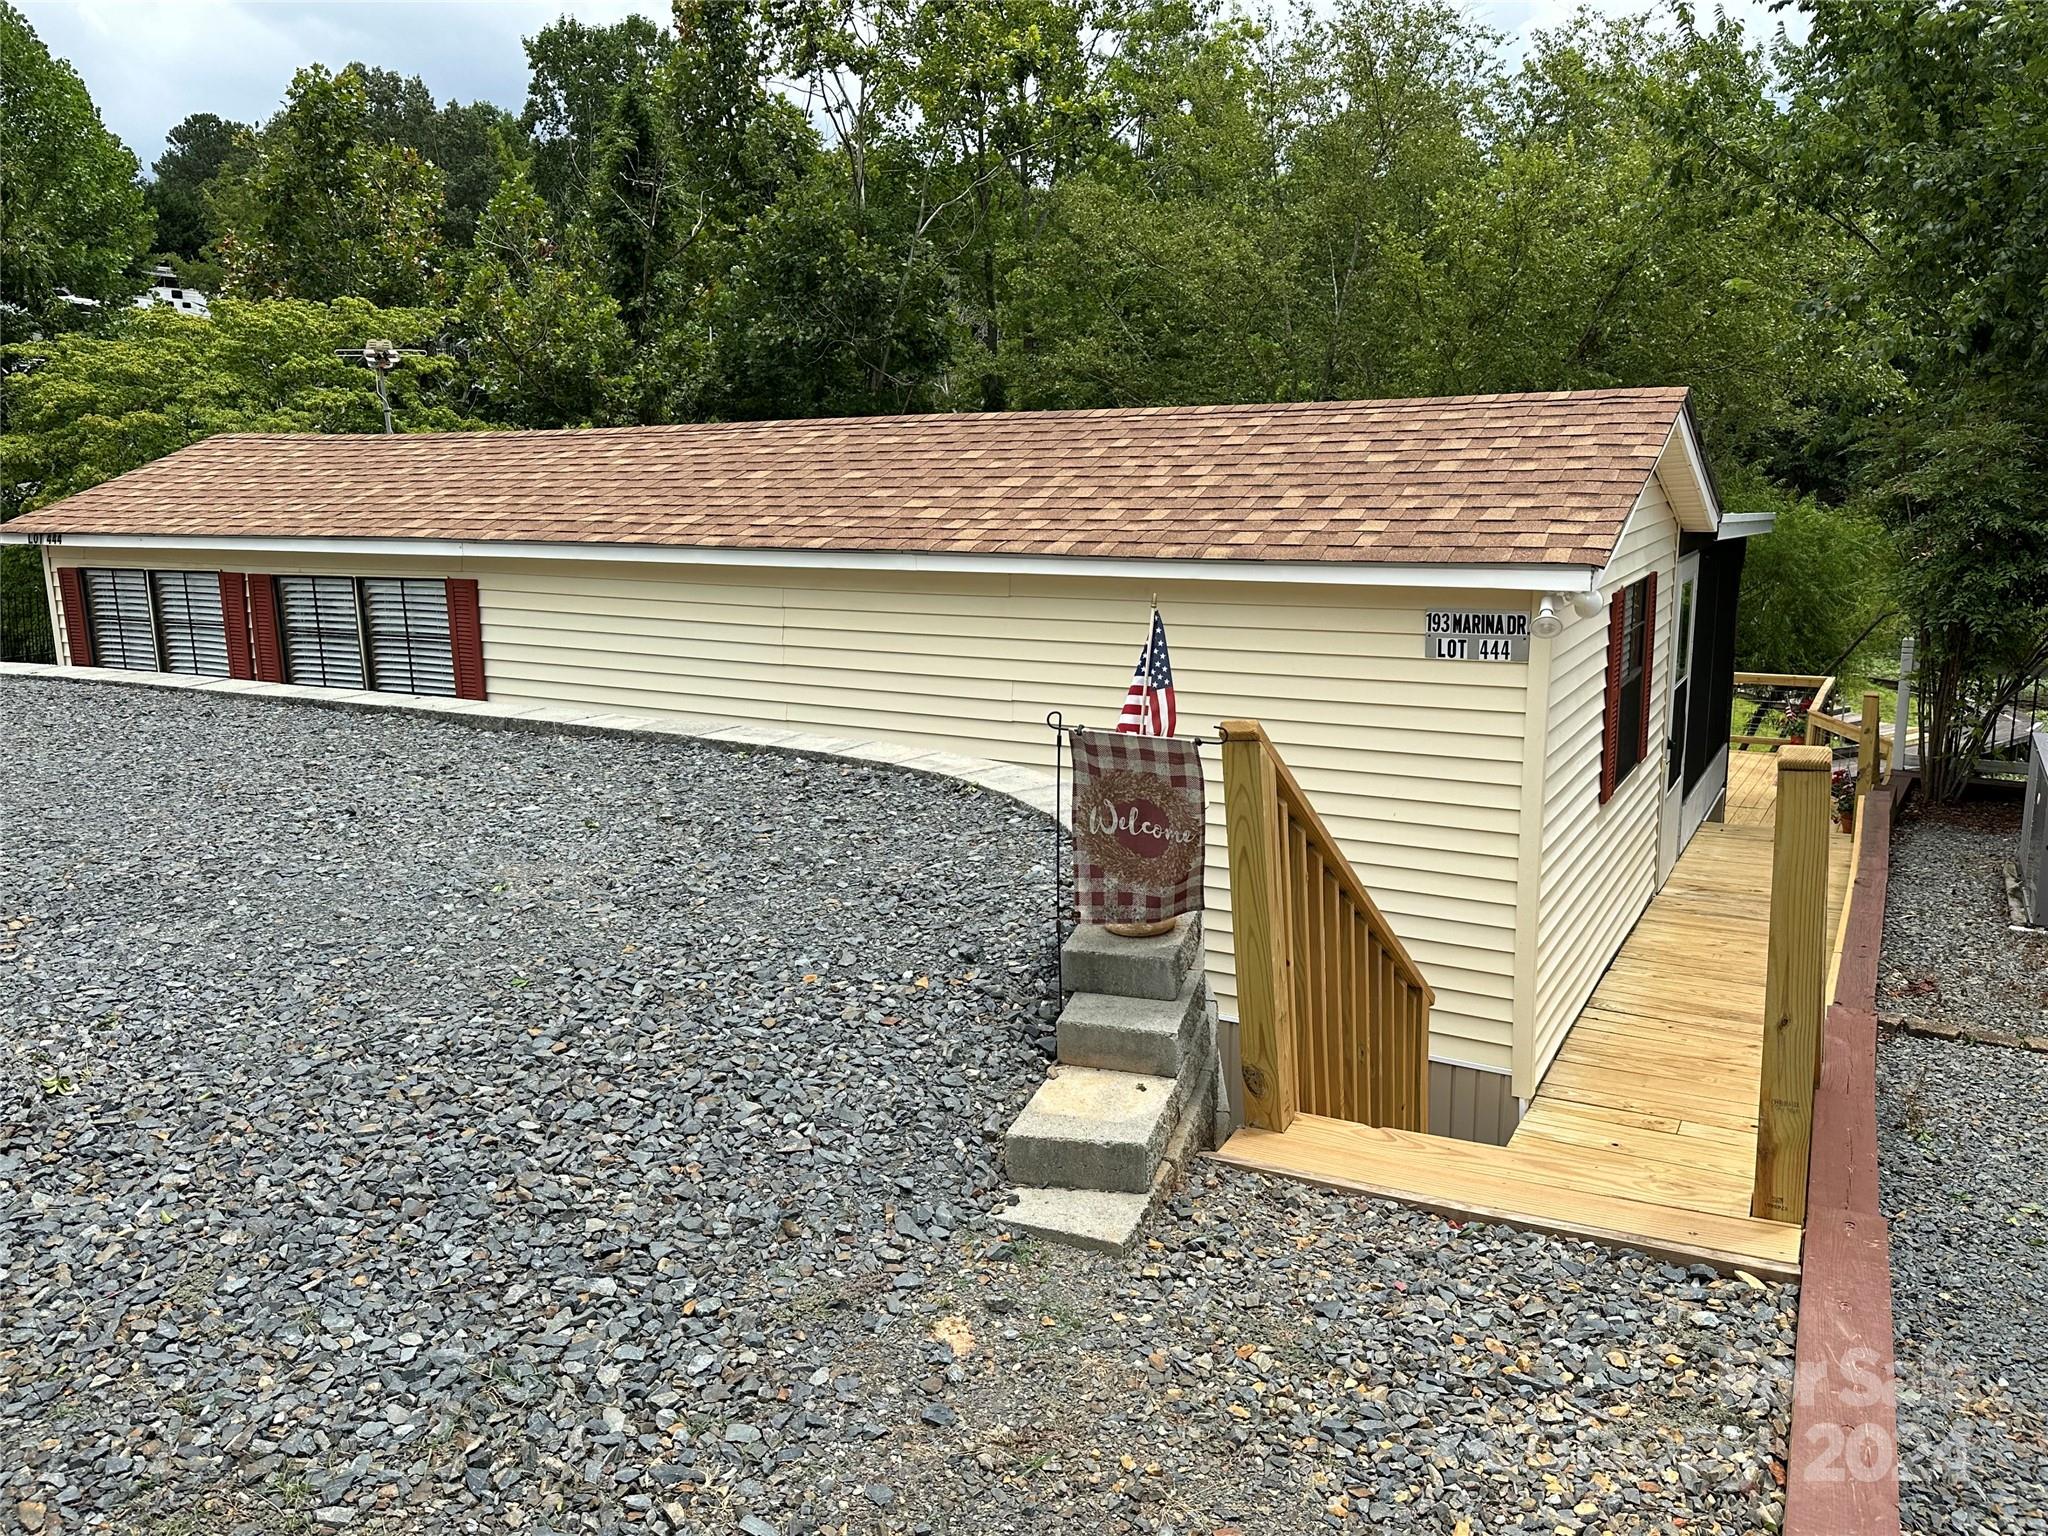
(1589, 605)
(1548, 623)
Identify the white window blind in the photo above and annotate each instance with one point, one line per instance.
(189, 622)
(123, 628)
(323, 641)
(407, 635)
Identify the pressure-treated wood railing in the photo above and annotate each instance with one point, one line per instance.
(1795, 983)
(1333, 1016)
(1817, 689)
(1865, 732)
(1873, 747)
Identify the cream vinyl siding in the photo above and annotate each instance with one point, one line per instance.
(1598, 863)
(1415, 765)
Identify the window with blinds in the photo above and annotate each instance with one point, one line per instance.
(389, 634)
(322, 629)
(157, 621)
(123, 625)
(191, 630)
(406, 633)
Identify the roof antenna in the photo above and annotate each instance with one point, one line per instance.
(380, 357)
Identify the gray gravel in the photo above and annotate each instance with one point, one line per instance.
(1963, 1168)
(1950, 953)
(407, 1128)
(1282, 1358)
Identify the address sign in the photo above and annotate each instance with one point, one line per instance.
(1459, 634)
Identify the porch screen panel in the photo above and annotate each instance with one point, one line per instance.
(188, 613)
(123, 632)
(407, 636)
(323, 640)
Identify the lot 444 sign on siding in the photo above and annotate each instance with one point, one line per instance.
(1463, 634)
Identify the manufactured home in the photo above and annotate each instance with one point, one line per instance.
(1492, 636)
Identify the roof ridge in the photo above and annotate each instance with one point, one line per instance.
(1656, 392)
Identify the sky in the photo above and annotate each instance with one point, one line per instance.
(150, 63)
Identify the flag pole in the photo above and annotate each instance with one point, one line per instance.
(1059, 726)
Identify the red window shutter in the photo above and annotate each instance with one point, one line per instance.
(234, 614)
(1610, 725)
(77, 632)
(1649, 654)
(265, 640)
(466, 637)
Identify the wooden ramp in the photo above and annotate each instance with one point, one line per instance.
(1643, 1131)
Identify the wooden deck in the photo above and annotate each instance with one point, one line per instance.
(1643, 1132)
(1752, 788)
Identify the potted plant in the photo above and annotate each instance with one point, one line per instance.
(1843, 787)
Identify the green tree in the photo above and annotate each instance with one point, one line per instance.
(574, 71)
(1161, 272)
(1817, 591)
(640, 213)
(1006, 101)
(93, 406)
(820, 313)
(460, 140)
(196, 150)
(546, 344)
(72, 217)
(326, 209)
(684, 160)
(1964, 496)
(1922, 129)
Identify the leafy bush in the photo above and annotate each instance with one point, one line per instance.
(1816, 592)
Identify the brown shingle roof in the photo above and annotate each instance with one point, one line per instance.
(1484, 479)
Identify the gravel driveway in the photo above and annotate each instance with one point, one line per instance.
(1963, 1169)
(413, 1129)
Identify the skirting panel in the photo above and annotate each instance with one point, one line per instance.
(1471, 1103)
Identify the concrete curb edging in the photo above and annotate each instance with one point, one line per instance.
(1027, 786)
(1842, 1471)
(1967, 1034)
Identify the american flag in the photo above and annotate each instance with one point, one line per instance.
(1148, 705)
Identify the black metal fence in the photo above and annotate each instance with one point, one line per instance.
(24, 607)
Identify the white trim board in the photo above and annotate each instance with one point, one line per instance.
(1485, 578)
(1690, 492)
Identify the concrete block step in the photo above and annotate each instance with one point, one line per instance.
(1136, 1034)
(1095, 960)
(1081, 1218)
(1090, 1129)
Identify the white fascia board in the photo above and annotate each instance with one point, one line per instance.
(1684, 475)
(1481, 578)
(1746, 525)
